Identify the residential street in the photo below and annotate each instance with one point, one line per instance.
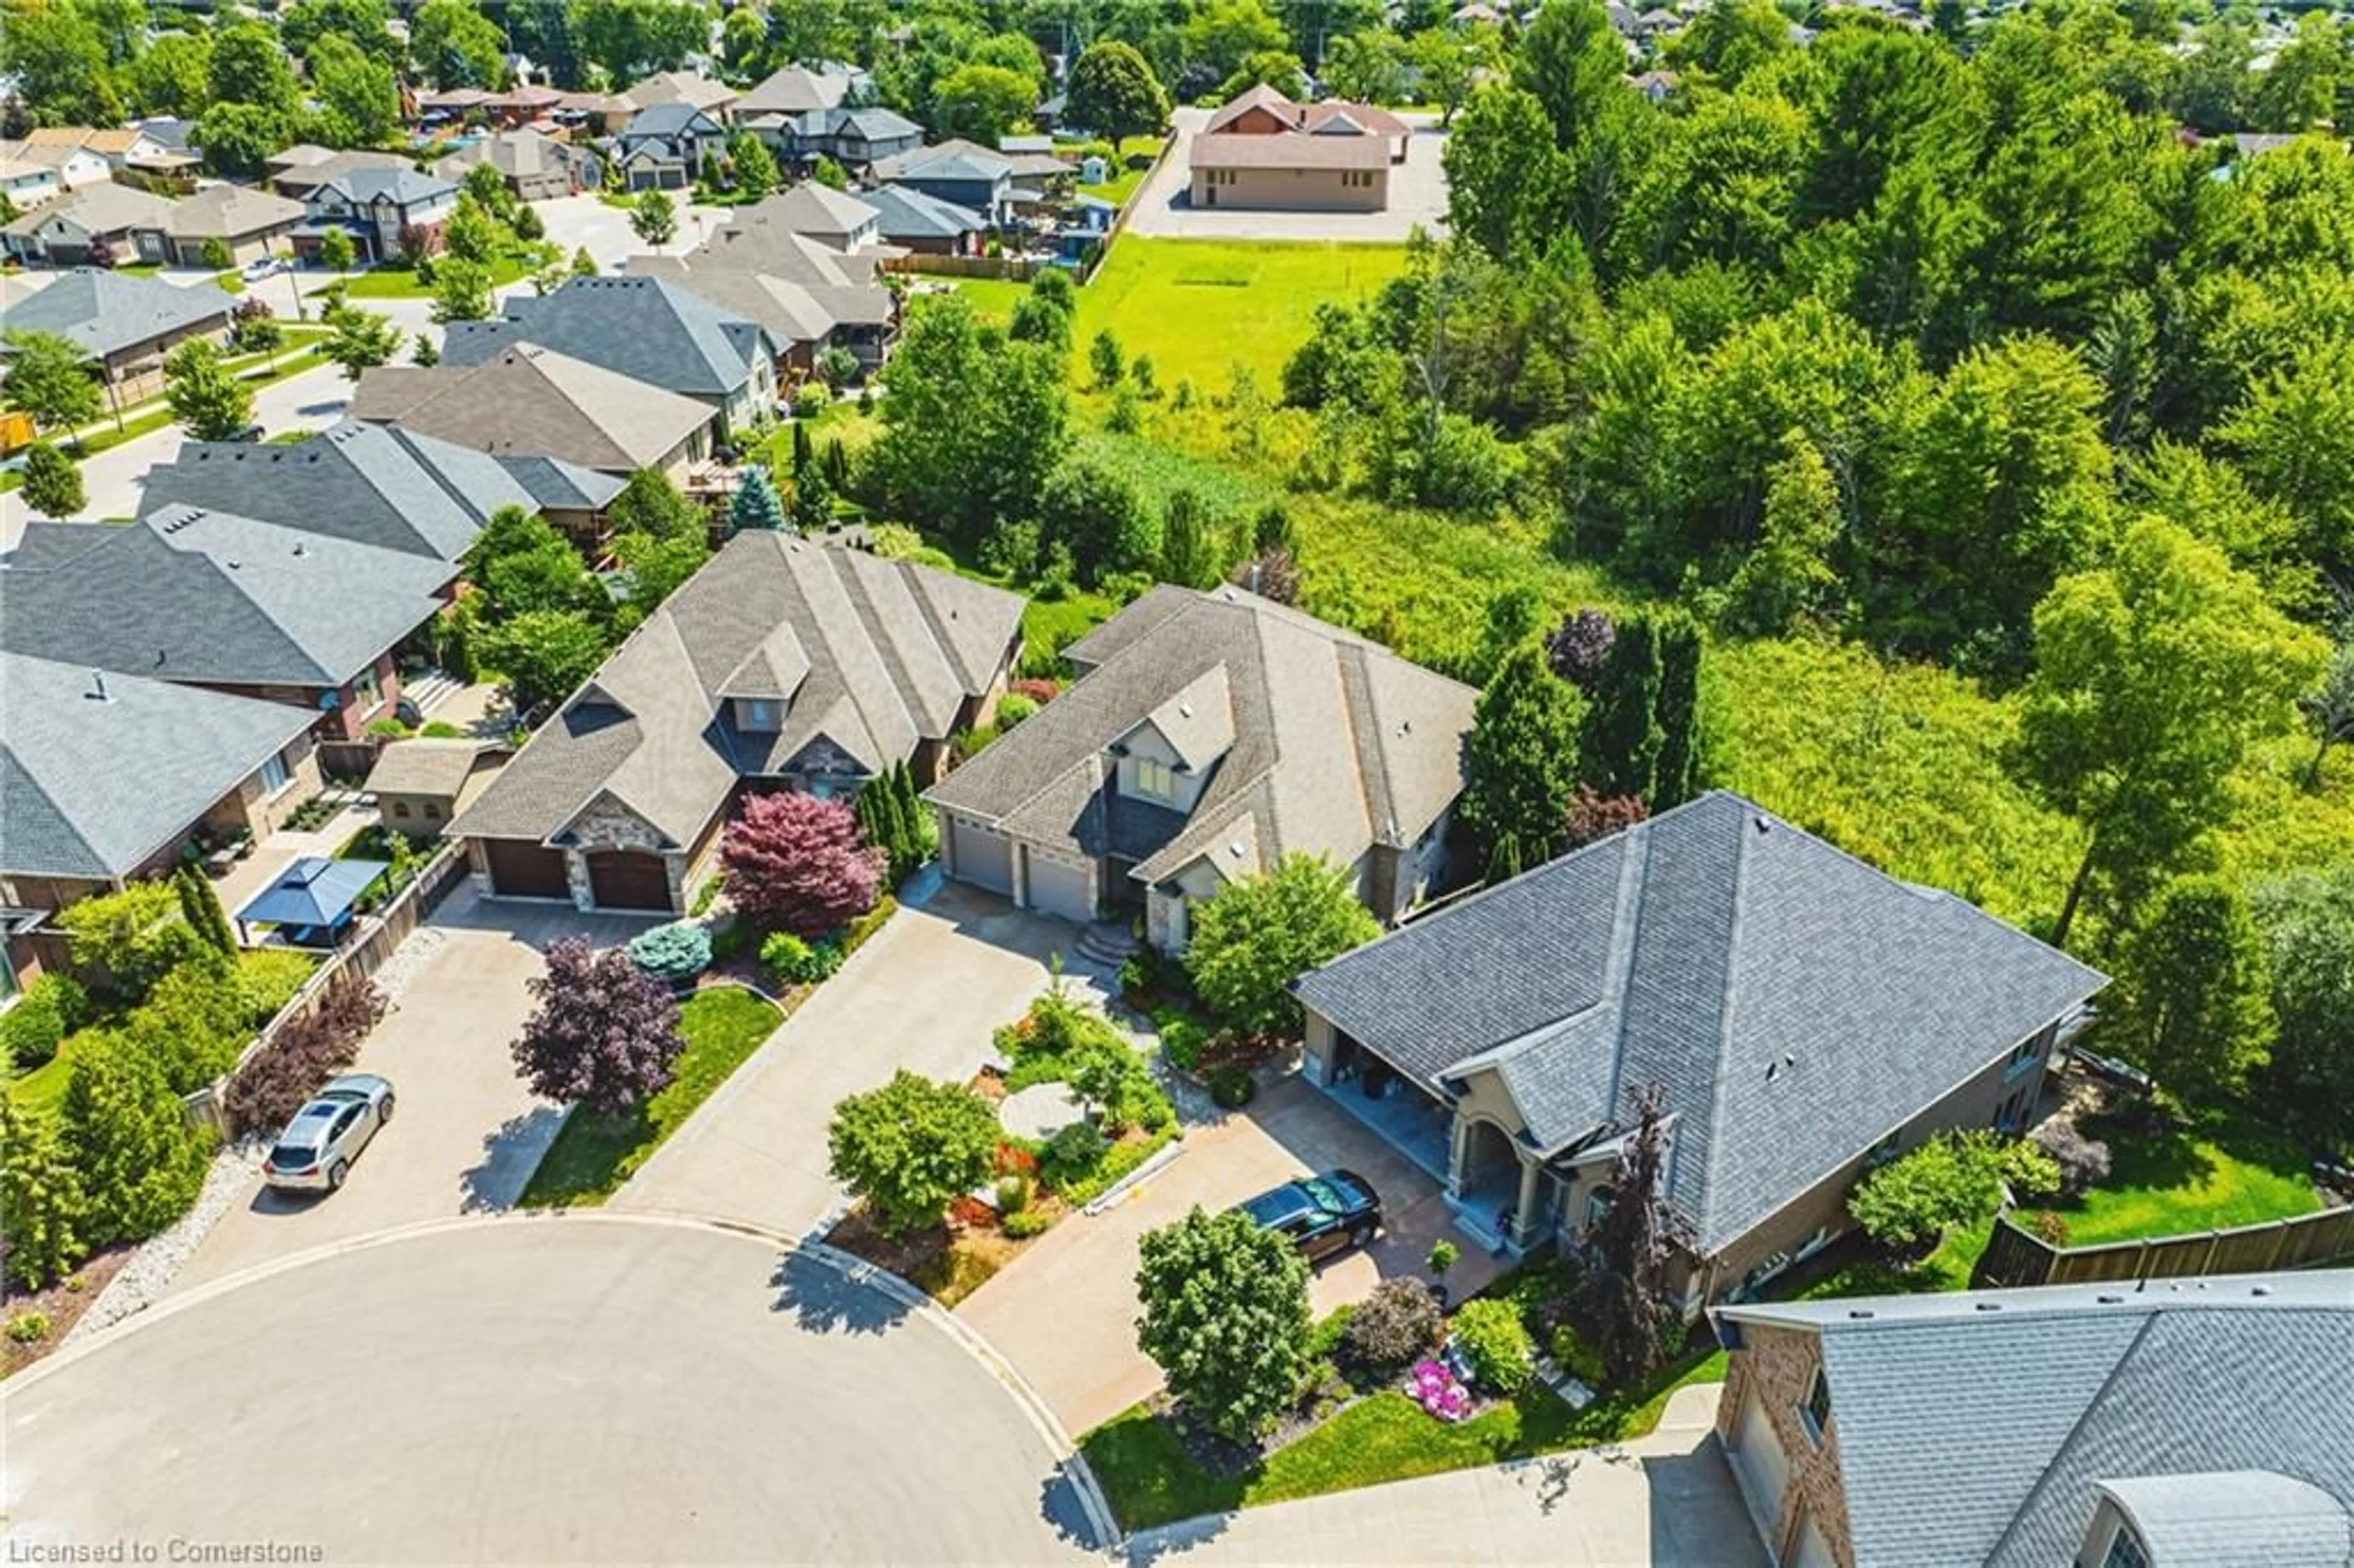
(923, 994)
(553, 1390)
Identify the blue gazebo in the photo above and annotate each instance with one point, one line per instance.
(311, 900)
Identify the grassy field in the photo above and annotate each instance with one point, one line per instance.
(1201, 306)
(593, 1155)
(400, 282)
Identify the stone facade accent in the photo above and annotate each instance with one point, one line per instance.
(1776, 1367)
(606, 824)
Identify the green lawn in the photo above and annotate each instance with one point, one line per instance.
(43, 1088)
(593, 1155)
(1199, 306)
(1150, 1480)
(400, 282)
(2210, 1179)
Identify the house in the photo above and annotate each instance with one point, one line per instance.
(71, 166)
(1208, 735)
(371, 484)
(855, 138)
(100, 225)
(535, 167)
(421, 784)
(571, 498)
(962, 173)
(302, 168)
(2164, 1424)
(27, 185)
(526, 401)
(1262, 150)
(1805, 1014)
(105, 776)
(798, 326)
(248, 223)
(122, 147)
(206, 598)
(861, 313)
(125, 324)
(387, 212)
(784, 96)
(911, 221)
(646, 328)
(844, 221)
(684, 88)
(783, 664)
(667, 147)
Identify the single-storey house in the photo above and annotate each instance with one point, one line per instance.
(667, 147)
(526, 401)
(1804, 1015)
(121, 222)
(647, 328)
(859, 312)
(837, 218)
(1208, 735)
(249, 222)
(963, 174)
(1261, 150)
(783, 664)
(2165, 1423)
(422, 783)
(206, 598)
(372, 484)
(535, 167)
(797, 325)
(105, 776)
(382, 209)
(925, 225)
(124, 324)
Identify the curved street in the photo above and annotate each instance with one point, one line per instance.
(580, 1388)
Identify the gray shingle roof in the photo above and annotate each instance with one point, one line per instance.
(92, 786)
(667, 121)
(872, 655)
(189, 595)
(103, 313)
(102, 209)
(394, 489)
(843, 285)
(795, 90)
(907, 213)
(556, 485)
(530, 401)
(1337, 744)
(1797, 1004)
(646, 328)
(404, 186)
(232, 212)
(1981, 1428)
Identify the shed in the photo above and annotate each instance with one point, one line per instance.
(421, 784)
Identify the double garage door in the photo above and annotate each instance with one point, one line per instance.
(618, 879)
(986, 859)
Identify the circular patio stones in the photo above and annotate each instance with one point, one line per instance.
(1040, 1111)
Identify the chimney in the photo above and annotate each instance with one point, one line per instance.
(97, 692)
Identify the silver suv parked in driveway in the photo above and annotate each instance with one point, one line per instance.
(316, 1150)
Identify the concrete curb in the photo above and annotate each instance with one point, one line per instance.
(1112, 1196)
(857, 1271)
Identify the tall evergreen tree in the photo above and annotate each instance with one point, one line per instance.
(1523, 762)
(1682, 741)
(2198, 1008)
(42, 1205)
(201, 906)
(141, 1161)
(756, 504)
(1622, 728)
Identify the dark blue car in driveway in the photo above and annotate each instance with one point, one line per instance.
(1319, 1214)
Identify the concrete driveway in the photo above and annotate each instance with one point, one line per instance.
(1065, 1312)
(1163, 209)
(466, 1133)
(924, 994)
(1666, 1500)
(541, 1390)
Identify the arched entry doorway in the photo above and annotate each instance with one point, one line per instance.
(1487, 1184)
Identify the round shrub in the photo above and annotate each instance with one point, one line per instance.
(52, 1007)
(1012, 708)
(674, 953)
(1497, 1345)
(1071, 1154)
(797, 962)
(28, 1328)
(1026, 1223)
(1012, 1192)
(1398, 1324)
(1232, 1087)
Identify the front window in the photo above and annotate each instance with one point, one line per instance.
(1818, 1408)
(1155, 781)
(2024, 1057)
(2124, 1550)
(275, 775)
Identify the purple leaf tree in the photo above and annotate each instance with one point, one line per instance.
(799, 863)
(1577, 647)
(605, 1032)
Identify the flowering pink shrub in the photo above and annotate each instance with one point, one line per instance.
(1435, 1389)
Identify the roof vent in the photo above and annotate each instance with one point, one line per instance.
(1987, 1305)
(1184, 710)
(1860, 1314)
(301, 548)
(2260, 1290)
(97, 692)
(2110, 1300)
(1761, 822)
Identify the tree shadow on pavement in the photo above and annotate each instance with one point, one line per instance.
(1149, 1546)
(511, 1153)
(825, 1300)
(1061, 1504)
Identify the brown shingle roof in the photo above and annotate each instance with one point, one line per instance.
(534, 402)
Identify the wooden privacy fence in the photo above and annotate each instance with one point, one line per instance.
(2017, 1257)
(373, 941)
(1020, 269)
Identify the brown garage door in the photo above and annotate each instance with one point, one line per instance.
(628, 879)
(520, 870)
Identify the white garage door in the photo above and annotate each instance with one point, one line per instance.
(981, 857)
(1059, 889)
(1764, 1468)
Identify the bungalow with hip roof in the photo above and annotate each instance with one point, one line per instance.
(797, 325)
(534, 167)
(1262, 150)
(104, 777)
(783, 664)
(209, 599)
(925, 225)
(2163, 1423)
(963, 174)
(125, 326)
(120, 222)
(526, 401)
(249, 224)
(861, 313)
(1209, 735)
(835, 218)
(649, 329)
(667, 147)
(1804, 1014)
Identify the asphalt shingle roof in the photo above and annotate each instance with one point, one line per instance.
(102, 313)
(646, 328)
(529, 401)
(1797, 1004)
(92, 786)
(105, 207)
(907, 213)
(368, 484)
(1336, 743)
(232, 212)
(1982, 1427)
(870, 656)
(795, 90)
(190, 594)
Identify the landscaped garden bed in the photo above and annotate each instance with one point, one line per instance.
(32, 1323)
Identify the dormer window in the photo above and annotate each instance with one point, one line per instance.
(1155, 781)
(2124, 1550)
(757, 715)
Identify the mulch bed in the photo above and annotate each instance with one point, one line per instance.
(64, 1305)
